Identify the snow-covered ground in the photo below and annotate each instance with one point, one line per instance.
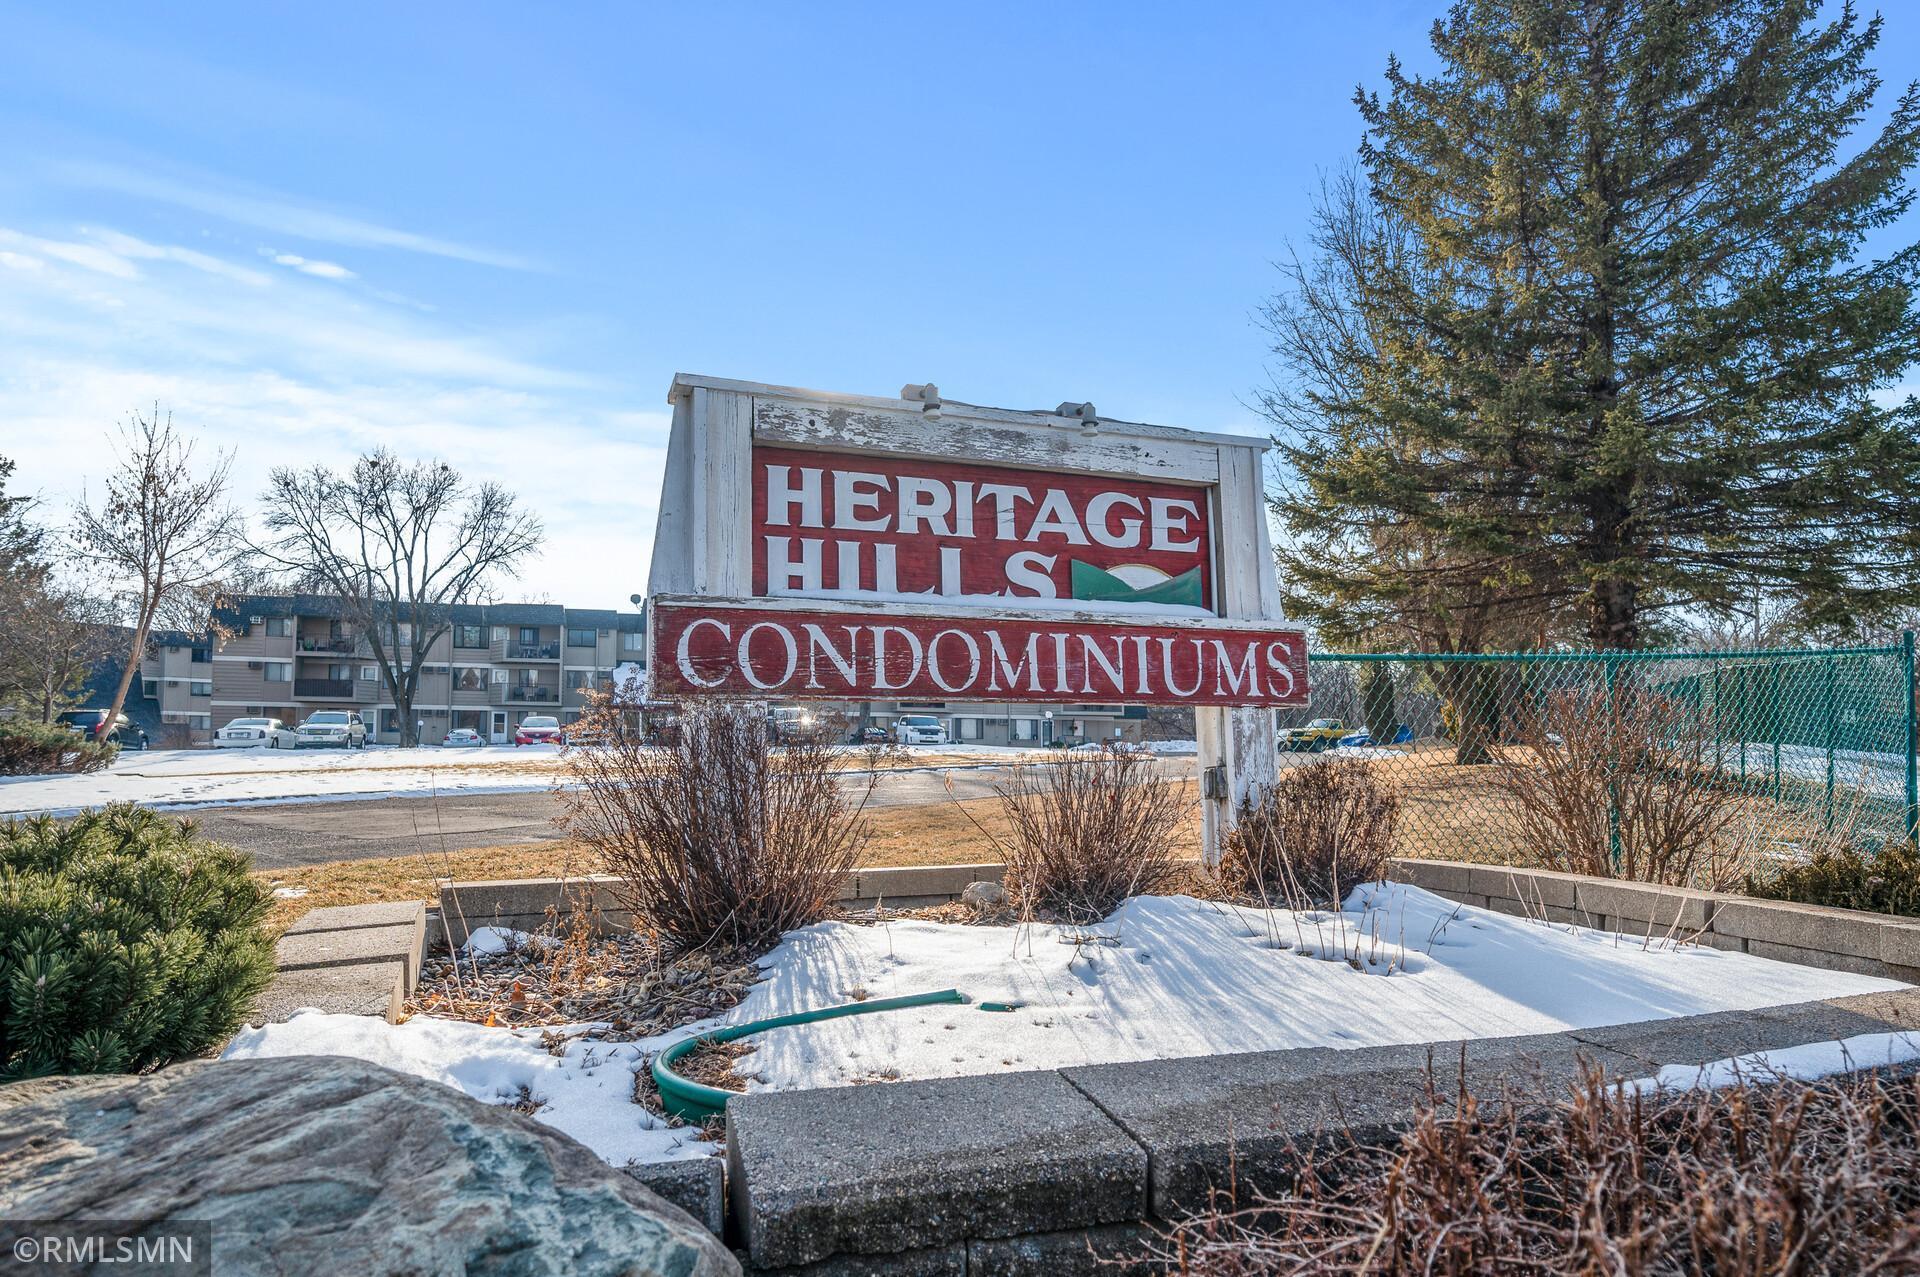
(586, 1093)
(1882, 775)
(1191, 977)
(183, 779)
(1163, 977)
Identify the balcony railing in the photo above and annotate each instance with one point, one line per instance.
(533, 652)
(535, 694)
(323, 689)
(341, 645)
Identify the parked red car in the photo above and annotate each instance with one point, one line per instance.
(537, 729)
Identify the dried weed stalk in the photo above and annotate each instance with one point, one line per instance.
(1623, 783)
(1783, 1180)
(1317, 833)
(722, 839)
(1086, 832)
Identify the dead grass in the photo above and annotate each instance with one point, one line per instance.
(716, 1064)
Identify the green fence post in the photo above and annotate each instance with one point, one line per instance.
(1913, 741)
(1773, 723)
(1833, 720)
(1612, 667)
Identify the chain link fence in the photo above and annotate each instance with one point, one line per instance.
(1531, 758)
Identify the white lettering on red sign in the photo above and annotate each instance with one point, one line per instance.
(795, 654)
(884, 527)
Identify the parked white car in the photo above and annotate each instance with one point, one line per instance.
(919, 729)
(335, 727)
(463, 736)
(256, 733)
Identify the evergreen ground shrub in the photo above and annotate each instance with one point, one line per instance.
(36, 749)
(127, 941)
(1884, 881)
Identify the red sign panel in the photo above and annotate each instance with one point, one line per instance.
(795, 652)
(886, 527)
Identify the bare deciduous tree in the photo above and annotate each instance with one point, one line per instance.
(400, 545)
(163, 535)
(51, 637)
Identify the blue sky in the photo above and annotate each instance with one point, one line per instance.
(492, 233)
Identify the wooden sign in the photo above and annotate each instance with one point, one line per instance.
(799, 650)
(878, 548)
(845, 526)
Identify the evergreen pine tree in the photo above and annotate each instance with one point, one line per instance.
(1597, 335)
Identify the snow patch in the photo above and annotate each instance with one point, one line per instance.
(489, 941)
(1808, 1063)
(587, 1092)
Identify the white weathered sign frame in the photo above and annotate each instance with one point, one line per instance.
(703, 540)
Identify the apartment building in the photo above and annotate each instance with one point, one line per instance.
(288, 655)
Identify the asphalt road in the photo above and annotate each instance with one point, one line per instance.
(284, 835)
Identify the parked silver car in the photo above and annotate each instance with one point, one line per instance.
(341, 727)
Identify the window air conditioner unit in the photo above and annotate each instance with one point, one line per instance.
(254, 665)
(256, 620)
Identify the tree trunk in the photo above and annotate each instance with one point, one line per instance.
(1471, 710)
(1613, 614)
(132, 669)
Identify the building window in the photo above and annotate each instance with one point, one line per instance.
(469, 636)
(581, 638)
(529, 636)
(633, 641)
(198, 688)
(469, 678)
(581, 680)
(437, 671)
(500, 677)
(1026, 729)
(279, 671)
(202, 655)
(499, 633)
(279, 627)
(969, 728)
(368, 673)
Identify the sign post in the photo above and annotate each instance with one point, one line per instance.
(843, 547)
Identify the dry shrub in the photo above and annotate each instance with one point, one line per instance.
(1626, 768)
(1747, 1181)
(1086, 832)
(719, 839)
(1319, 831)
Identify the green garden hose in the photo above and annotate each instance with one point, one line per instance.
(692, 1102)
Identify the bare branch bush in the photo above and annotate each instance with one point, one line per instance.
(1318, 832)
(1746, 1181)
(1623, 783)
(1087, 831)
(721, 840)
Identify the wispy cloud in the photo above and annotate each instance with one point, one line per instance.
(308, 266)
(274, 212)
(290, 367)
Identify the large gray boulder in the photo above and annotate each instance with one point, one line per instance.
(318, 1164)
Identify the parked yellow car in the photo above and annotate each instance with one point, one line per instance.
(1321, 733)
